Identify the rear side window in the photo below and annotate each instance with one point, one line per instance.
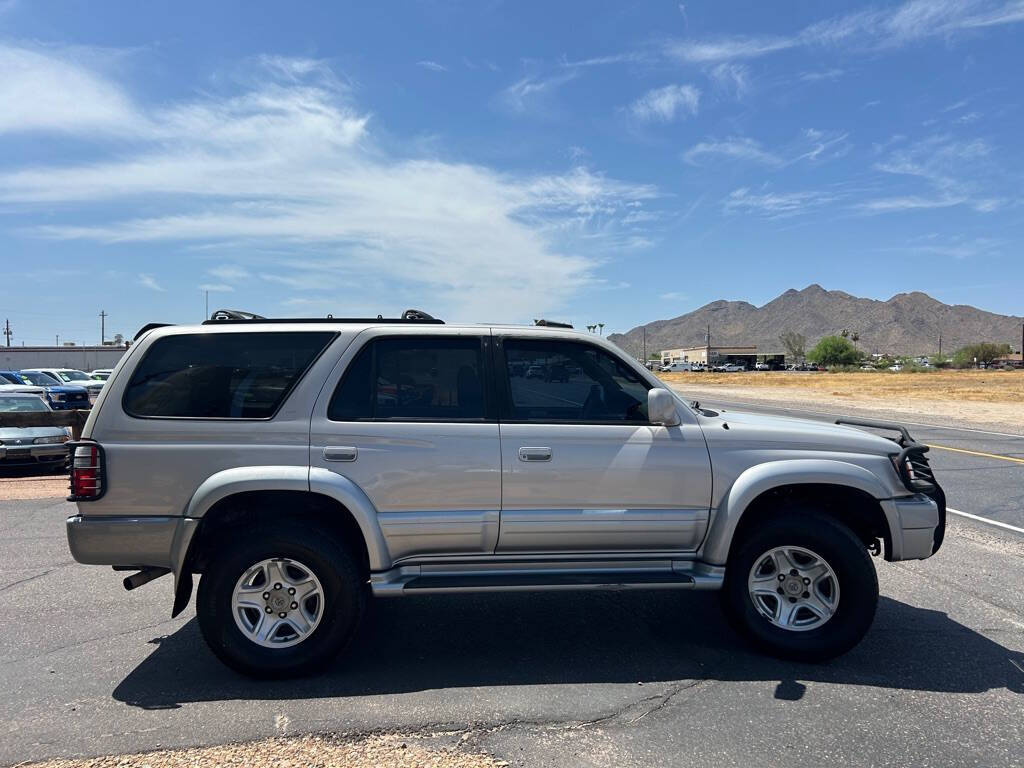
(428, 379)
(221, 375)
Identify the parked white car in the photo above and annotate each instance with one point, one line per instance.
(897, 367)
(73, 376)
(677, 367)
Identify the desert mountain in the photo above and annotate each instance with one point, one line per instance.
(907, 324)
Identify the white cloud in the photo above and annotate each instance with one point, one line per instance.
(869, 29)
(666, 103)
(775, 205)
(290, 169)
(710, 51)
(216, 287)
(673, 296)
(736, 148)
(44, 90)
(148, 281)
(529, 92)
(433, 66)
(731, 78)
(827, 74)
(229, 272)
(908, 203)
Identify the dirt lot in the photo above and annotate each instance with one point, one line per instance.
(14, 486)
(978, 397)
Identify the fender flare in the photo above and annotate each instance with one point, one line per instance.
(230, 482)
(764, 477)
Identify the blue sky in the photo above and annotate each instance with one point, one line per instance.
(598, 162)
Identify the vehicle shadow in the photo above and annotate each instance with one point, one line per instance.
(416, 644)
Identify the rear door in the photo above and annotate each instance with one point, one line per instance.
(410, 420)
(583, 470)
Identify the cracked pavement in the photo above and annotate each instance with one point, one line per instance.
(547, 679)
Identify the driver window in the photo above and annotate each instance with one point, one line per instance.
(571, 381)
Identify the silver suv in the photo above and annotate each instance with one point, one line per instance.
(301, 466)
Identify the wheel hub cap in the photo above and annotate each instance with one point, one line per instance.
(793, 588)
(277, 603)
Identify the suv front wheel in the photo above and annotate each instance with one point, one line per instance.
(801, 586)
(280, 601)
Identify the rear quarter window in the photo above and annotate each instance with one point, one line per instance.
(221, 375)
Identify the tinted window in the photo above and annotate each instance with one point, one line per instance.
(431, 379)
(221, 375)
(40, 379)
(571, 381)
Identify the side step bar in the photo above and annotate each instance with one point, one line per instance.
(412, 580)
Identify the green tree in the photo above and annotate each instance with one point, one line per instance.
(834, 350)
(982, 352)
(795, 344)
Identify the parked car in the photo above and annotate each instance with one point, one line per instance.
(58, 396)
(101, 374)
(730, 368)
(678, 367)
(20, 446)
(897, 367)
(762, 367)
(72, 376)
(535, 372)
(867, 367)
(297, 491)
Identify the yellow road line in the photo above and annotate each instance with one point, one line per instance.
(977, 453)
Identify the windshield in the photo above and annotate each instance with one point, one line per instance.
(38, 378)
(73, 375)
(22, 404)
(10, 378)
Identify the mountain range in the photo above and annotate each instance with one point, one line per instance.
(906, 324)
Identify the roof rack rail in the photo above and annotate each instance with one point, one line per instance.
(551, 323)
(149, 327)
(237, 316)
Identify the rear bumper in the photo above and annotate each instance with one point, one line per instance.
(142, 541)
(922, 527)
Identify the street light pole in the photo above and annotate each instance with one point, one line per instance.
(103, 326)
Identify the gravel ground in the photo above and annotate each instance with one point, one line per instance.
(13, 487)
(379, 751)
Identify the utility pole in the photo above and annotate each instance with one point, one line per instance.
(940, 343)
(56, 340)
(7, 331)
(601, 326)
(103, 326)
(645, 343)
(207, 315)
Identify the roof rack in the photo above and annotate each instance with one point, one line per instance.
(551, 324)
(237, 316)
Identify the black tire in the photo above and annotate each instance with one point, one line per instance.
(344, 594)
(848, 558)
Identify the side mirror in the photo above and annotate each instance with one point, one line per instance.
(661, 408)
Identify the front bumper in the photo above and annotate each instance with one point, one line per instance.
(141, 541)
(922, 526)
(32, 454)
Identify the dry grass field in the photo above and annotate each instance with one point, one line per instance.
(982, 397)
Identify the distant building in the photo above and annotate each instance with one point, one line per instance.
(67, 356)
(1013, 359)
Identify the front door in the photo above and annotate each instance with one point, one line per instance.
(407, 423)
(582, 468)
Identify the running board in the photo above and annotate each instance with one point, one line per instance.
(415, 580)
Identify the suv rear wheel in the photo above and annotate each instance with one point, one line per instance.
(801, 586)
(282, 601)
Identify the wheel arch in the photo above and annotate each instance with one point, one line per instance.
(229, 498)
(852, 495)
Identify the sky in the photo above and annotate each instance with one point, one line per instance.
(595, 162)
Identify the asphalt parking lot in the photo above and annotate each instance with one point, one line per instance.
(558, 679)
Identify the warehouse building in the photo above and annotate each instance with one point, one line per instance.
(718, 355)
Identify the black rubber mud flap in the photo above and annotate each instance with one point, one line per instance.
(182, 592)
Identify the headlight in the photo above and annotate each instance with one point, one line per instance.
(51, 440)
(58, 396)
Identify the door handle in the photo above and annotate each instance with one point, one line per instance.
(534, 454)
(340, 453)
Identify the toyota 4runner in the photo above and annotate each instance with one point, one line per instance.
(301, 466)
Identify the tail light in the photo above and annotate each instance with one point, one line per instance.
(88, 479)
